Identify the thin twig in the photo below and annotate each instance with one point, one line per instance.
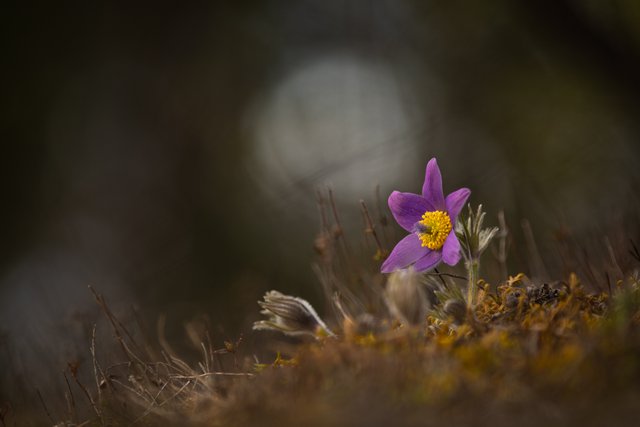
(180, 364)
(206, 357)
(86, 393)
(612, 255)
(371, 228)
(151, 406)
(536, 265)
(211, 362)
(134, 358)
(634, 251)
(71, 401)
(105, 310)
(439, 274)
(338, 235)
(336, 218)
(44, 405)
(92, 349)
(210, 374)
(133, 390)
(117, 326)
(175, 394)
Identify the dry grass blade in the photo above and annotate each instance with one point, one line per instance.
(94, 405)
(44, 406)
(370, 229)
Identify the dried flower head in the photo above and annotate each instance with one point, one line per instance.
(290, 315)
(430, 219)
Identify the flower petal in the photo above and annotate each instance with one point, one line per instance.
(451, 249)
(428, 261)
(407, 251)
(455, 202)
(408, 208)
(432, 187)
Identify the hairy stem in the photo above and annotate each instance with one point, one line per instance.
(473, 267)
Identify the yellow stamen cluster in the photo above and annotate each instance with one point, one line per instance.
(434, 228)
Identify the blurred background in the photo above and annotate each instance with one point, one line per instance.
(169, 154)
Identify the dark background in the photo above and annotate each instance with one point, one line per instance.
(168, 153)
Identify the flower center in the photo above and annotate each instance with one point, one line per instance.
(433, 229)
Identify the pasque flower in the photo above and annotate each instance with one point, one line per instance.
(430, 219)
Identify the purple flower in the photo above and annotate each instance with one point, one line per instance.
(431, 220)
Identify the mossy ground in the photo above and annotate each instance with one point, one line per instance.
(570, 359)
(528, 355)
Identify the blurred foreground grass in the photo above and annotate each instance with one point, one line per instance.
(528, 355)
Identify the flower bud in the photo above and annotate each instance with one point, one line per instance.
(406, 296)
(290, 315)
